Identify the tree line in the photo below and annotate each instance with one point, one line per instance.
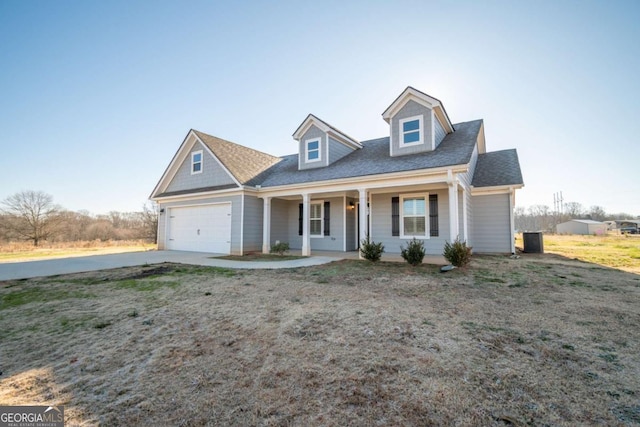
(33, 216)
(542, 218)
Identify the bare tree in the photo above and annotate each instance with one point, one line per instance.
(31, 215)
(149, 216)
(597, 213)
(574, 210)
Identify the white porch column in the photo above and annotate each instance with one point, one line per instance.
(306, 239)
(266, 226)
(465, 223)
(453, 211)
(363, 217)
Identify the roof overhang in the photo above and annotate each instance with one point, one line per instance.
(181, 154)
(336, 134)
(412, 94)
(497, 189)
(370, 182)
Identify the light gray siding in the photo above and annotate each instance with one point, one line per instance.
(381, 224)
(236, 215)
(411, 109)
(280, 221)
(212, 173)
(333, 242)
(313, 133)
(337, 150)
(440, 133)
(253, 208)
(491, 231)
(466, 179)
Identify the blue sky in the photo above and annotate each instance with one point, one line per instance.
(96, 97)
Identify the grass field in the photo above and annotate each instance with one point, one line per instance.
(17, 252)
(617, 251)
(539, 340)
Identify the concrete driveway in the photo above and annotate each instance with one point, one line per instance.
(51, 267)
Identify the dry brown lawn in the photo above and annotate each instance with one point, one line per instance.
(539, 340)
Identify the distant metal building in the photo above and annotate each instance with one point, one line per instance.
(582, 226)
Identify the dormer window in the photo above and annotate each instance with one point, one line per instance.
(313, 150)
(411, 131)
(196, 162)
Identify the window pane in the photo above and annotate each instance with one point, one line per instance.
(408, 206)
(312, 145)
(316, 211)
(197, 167)
(197, 157)
(414, 206)
(412, 125)
(316, 227)
(411, 137)
(313, 155)
(414, 226)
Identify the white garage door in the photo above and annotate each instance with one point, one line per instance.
(200, 228)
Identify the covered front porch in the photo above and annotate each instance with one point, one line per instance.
(337, 219)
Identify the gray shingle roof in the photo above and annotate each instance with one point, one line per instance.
(244, 163)
(497, 168)
(455, 149)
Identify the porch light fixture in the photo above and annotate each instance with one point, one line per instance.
(352, 205)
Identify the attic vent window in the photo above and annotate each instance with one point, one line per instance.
(313, 150)
(196, 162)
(411, 131)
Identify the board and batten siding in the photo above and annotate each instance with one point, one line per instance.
(212, 173)
(491, 224)
(381, 223)
(312, 133)
(411, 109)
(236, 215)
(253, 208)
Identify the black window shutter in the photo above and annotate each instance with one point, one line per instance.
(300, 213)
(433, 215)
(395, 216)
(327, 218)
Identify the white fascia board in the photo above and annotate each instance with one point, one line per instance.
(409, 94)
(198, 196)
(414, 177)
(312, 120)
(344, 139)
(498, 189)
(175, 163)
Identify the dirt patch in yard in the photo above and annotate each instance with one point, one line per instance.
(538, 340)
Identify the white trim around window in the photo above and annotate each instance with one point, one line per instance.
(196, 162)
(316, 213)
(414, 216)
(409, 132)
(314, 154)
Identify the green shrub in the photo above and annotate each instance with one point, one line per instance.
(457, 253)
(414, 252)
(371, 250)
(280, 248)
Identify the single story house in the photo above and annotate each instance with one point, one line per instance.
(582, 226)
(429, 178)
